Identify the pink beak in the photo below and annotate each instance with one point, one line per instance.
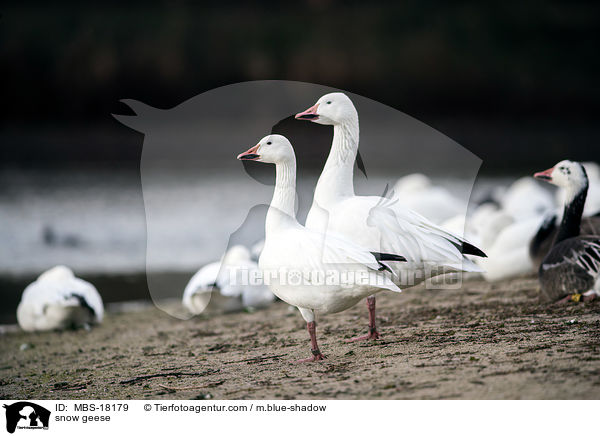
(544, 175)
(250, 154)
(309, 114)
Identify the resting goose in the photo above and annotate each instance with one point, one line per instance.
(509, 251)
(231, 277)
(317, 274)
(543, 240)
(572, 267)
(417, 192)
(376, 223)
(525, 198)
(58, 300)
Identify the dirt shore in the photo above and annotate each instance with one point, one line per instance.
(484, 341)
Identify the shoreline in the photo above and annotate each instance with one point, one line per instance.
(483, 341)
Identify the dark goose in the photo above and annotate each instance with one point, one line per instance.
(570, 271)
(543, 240)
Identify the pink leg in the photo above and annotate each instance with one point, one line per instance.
(312, 331)
(373, 333)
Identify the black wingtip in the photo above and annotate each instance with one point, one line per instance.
(83, 302)
(388, 257)
(467, 248)
(361, 164)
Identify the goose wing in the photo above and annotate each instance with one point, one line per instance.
(313, 252)
(420, 241)
(40, 294)
(571, 266)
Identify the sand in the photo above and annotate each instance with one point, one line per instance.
(484, 341)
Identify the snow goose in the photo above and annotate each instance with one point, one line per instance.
(376, 223)
(525, 198)
(416, 192)
(59, 300)
(317, 274)
(572, 267)
(233, 277)
(508, 255)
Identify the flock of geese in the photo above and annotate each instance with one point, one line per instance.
(352, 247)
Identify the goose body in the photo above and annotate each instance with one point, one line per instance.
(525, 198)
(58, 300)
(317, 273)
(543, 240)
(232, 278)
(416, 192)
(571, 270)
(508, 254)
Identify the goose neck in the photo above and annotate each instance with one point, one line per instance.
(282, 208)
(337, 178)
(571, 221)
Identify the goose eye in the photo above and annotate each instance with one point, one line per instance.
(269, 143)
(329, 102)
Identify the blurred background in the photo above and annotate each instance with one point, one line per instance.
(514, 83)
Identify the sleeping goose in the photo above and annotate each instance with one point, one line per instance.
(376, 223)
(316, 273)
(571, 270)
(231, 277)
(59, 300)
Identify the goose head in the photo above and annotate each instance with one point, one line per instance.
(331, 109)
(271, 149)
(566, 174)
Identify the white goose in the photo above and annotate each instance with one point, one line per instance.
(232, 276)
(301, 266)
(526, 198)
(59, 300)
(373, 222)
(417, 192)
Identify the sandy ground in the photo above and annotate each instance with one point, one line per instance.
(480, 342)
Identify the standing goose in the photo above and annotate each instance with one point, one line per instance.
(571, 269)
(301, 266)
(58, 300)
(373, 222)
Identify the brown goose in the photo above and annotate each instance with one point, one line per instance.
(571, 270)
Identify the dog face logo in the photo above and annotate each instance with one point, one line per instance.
(26, 415)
